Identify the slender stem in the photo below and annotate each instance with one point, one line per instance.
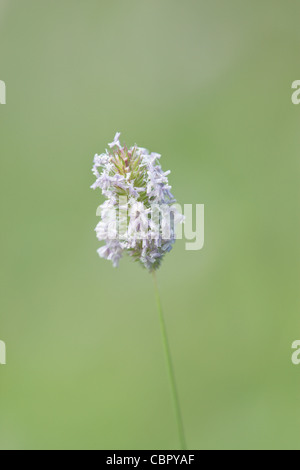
(170, 367)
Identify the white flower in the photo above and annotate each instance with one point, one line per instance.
(111, 251)
(133, 182)
(116, 142)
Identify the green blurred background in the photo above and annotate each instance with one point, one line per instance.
(207, 84)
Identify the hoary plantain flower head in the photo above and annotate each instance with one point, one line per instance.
(139, 215)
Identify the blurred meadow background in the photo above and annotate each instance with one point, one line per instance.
(207, 84)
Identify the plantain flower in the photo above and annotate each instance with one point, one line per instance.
(139, 216)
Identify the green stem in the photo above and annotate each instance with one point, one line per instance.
(170, 367)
